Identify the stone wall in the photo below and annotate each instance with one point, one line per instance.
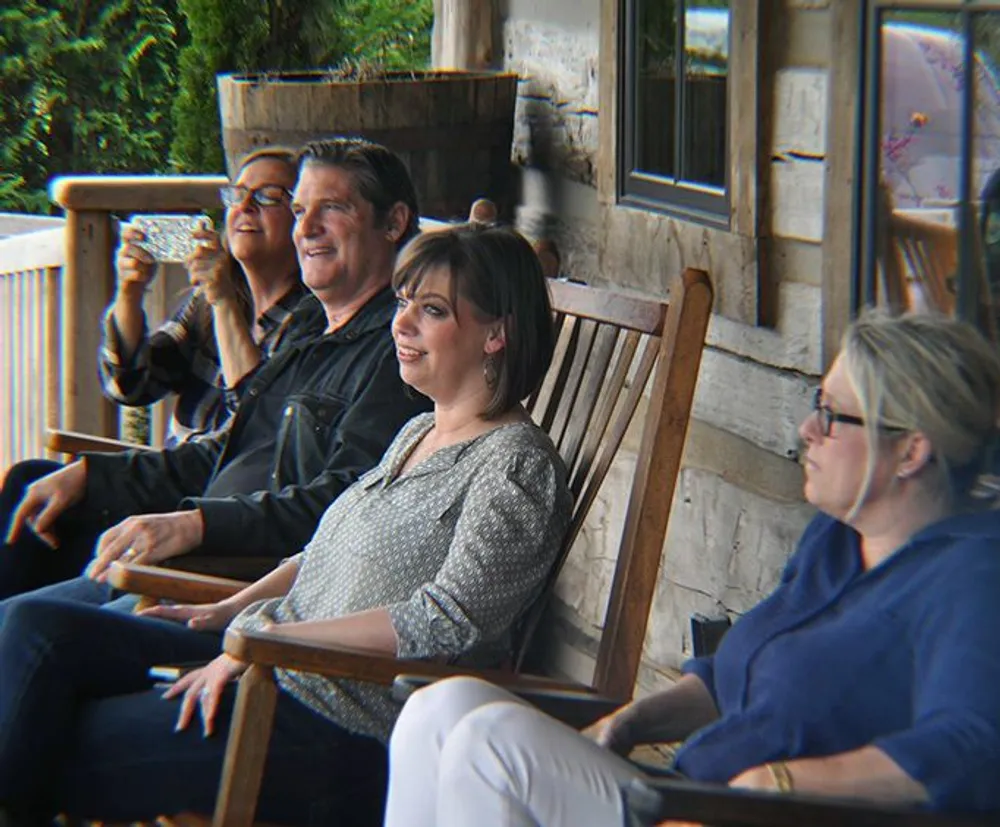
(738, 509)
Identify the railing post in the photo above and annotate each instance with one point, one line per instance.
(88, 282)
(88, 279)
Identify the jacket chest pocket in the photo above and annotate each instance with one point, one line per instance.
(307, 436)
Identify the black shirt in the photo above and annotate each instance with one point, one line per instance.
(315, 417)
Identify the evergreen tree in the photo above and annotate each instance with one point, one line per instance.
(85, 87)
(241, 36)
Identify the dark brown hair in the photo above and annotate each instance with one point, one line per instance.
(496, 270)
(380, 176)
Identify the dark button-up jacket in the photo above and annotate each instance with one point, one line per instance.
(182, 358)
(314, 418)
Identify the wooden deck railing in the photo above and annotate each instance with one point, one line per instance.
(30, 278)
(52, 296)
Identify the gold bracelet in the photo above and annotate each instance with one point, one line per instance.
(782, 776)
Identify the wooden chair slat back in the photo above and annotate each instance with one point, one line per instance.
(591, 394)
(657, 468)
(611, 351)
(588, 452)
(576, 358)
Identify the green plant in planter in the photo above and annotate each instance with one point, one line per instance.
(278, 35)
(387, 36)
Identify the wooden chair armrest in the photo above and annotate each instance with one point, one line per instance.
(268, 649)
(724, 807)
(167, 584)
(577, 707)
(72, 442)
(244, 569)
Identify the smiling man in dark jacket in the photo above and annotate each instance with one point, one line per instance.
(313, 418)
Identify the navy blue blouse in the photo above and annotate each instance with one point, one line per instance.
(904, 657)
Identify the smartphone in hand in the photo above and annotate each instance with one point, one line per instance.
(169, 237)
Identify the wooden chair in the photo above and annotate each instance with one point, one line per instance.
(722, 807)
(929, 251)
(613, 350)
(719, 806)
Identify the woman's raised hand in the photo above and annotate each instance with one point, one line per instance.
(206, 617)
(209, 267)
(202, 690)
(134, 264)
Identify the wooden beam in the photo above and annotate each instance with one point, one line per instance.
(88, 282)
(841, 162)
(138, 193)
(466, 34)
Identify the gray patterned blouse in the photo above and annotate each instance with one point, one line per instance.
(456, 549)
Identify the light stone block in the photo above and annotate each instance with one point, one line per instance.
(800, 111)
(758, 403)
(797, 188)
(793, 344)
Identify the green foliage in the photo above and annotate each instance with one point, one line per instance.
(392, 35)
(93, 86)
(84, 87)
(241, 36)
(277, 35)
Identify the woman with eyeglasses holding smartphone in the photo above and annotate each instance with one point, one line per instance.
(246, 286)
(871, 671)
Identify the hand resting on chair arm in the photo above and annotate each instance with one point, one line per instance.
(866, 773)
(203, 688)
(670, 715)
(216, 616)
(677, 712)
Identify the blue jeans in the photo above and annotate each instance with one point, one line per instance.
(83, 732)
(78, 590)
(28, 563)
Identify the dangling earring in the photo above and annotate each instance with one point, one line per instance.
(490, 370)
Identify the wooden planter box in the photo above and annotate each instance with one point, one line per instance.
(452, 129)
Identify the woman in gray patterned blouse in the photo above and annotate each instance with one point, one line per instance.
(435, 553)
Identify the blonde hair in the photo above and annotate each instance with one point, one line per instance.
(936, 375)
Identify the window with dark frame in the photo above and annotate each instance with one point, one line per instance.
(929, 207)
(673, 126)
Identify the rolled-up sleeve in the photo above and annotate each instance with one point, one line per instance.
(257, 615)
(953, 747)
(507, 536)
(160, 364)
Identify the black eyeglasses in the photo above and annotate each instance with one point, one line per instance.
(269, 195)
(827, 416)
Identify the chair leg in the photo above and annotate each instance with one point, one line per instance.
(246, 749)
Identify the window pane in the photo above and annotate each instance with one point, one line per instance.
(706, 74)
(691, 106)
(937, 244)
(656, 86)
(986, 170)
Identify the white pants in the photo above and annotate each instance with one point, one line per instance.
(467, 753)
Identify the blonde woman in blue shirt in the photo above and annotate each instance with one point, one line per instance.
(872, 670)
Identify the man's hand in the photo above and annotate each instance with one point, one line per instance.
(47, 498)
(203, 688)
(147, 538)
